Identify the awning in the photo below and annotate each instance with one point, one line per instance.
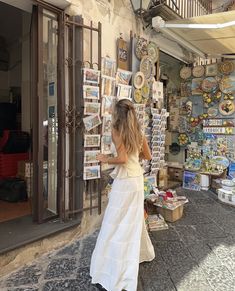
(198, 34)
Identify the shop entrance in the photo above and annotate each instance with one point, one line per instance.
(15, 117)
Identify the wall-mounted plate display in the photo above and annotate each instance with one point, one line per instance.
(153, 52)
(139, 80)
(137, 96)
(220, 160)
(226, 107)
(198, 71)
(226, 67)
(209, 84)
(212, 112)
(145, 90)
(141, 47)
(185, 73)
(227, 84)
(146, 67)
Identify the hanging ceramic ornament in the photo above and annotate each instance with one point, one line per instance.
(153, 52)
(145, 90)
(137, 96)
(139, 80)
(185, 73)
(198, 71)
(141, 47)
(146, 67)
(226, 67)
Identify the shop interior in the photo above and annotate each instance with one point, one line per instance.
(15, 117)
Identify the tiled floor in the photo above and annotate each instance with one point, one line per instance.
(197, 253)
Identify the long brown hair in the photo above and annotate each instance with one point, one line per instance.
(126, 124)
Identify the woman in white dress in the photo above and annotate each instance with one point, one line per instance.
(123, 241)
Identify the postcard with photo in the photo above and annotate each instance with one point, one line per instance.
(91, 92)
(91, 172)
(91, 140)
(106, 144)
(90, 157)
(107, 105)
(123, 77)
(108, 86)
(91, 76)
(91, 108)
(108, 67)
(124, 91)
(107, 124)
(91, 122)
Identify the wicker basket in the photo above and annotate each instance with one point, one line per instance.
(171, 215)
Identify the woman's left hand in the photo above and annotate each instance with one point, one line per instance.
(102, 158)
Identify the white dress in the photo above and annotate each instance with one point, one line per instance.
(123, 241)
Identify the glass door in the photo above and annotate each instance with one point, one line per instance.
(46, 139)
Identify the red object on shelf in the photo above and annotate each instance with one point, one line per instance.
(8, 163)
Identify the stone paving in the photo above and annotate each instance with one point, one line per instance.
(197, 253)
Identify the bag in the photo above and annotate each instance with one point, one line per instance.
(13, 190)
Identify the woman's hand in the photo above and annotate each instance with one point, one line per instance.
(102, 158)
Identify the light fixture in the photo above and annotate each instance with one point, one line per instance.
(140, 7)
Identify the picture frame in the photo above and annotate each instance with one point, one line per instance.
(123, 77)
(91, 92)
(191, 181)
(90, 156)
(91, 108)
(107, 105)
(91, 172)
(211, 70)
(196, 86)
(91, 76)
(107, 124)
(124, 91)
(108, 86)
(92, 140)
(108, 67)
(91, 122)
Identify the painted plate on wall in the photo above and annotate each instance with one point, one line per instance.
(226, 107)
(220, 160)
(146, 67)
(212, 112)
(153, 52)
(139, 80)
(227, 84)
(137, 96)
(145, 90)
(209, 84)
(185, 73)
(198, 71)
(226, 67)
(141, 47)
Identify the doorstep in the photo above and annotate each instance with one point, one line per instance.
(21, 231)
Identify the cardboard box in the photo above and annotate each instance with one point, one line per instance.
(25, 169)
(171, 215)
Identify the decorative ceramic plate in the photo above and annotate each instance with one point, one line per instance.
(145, 90)
(183, 139)
(153, 52)
(139, 80)
(226, 107)
(212, 112)
(198, 71)
(185, 73)
(209, 84)
(226, 67)
(220, 160)
(227, 84)
(137, 96)
(141, 47)
(146, 67)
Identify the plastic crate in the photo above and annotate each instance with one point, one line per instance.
(9, 162)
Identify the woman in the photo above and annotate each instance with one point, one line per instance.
(123, 241)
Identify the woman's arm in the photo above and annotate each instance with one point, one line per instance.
(145, 152)
(121, 157)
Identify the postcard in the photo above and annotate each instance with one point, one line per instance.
(91, 76)
(106, 144)
(107, 124)
(152, 180)
(107, 105)
(91, 172)
(124, 91)
(90, 157)
(92, 140)
(108, 67)
(91, 122)
(108, 86)
(91, 108)
(91, 92)
(123, 77)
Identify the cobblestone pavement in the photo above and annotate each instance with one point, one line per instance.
(197, 253)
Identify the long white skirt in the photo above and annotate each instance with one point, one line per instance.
(123, 241)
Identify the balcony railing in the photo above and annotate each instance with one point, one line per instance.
(187, 8)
